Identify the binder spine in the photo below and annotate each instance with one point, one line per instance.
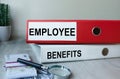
(73, 31)
(61, 53)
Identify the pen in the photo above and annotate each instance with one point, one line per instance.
(30, 63)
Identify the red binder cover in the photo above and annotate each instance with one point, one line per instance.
(73, 31)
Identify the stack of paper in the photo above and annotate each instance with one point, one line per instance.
(18, 70)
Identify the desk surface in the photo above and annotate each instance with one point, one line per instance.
(93, 69)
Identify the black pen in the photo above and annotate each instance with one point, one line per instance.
(30, 63)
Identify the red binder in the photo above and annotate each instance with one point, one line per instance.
(73, 31)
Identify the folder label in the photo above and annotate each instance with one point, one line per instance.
(65, 31)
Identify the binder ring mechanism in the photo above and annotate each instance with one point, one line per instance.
(96, 31)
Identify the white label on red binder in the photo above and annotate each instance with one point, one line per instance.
(57, 31)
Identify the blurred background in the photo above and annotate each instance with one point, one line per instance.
(23, 10)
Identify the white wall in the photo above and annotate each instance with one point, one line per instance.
(22, 10)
